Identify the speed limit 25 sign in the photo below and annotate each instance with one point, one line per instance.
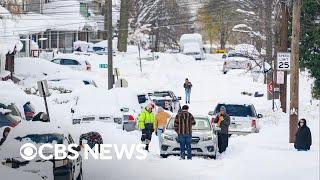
(283, 61)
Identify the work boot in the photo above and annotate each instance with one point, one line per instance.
(147, 147)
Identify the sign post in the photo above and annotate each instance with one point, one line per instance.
(44, 92)
(283, 65)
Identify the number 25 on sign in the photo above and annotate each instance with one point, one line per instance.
(283, 61)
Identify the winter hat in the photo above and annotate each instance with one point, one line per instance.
(185, 107)
(223, 108)
(305, 122)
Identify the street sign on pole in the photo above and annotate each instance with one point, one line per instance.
(283, 61)
(270, 87)
(44, 92)
(280, 77)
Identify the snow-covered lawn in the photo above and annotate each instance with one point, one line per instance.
(266, 155)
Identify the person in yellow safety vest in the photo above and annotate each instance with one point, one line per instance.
(147, 124)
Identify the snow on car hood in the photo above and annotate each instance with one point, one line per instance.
(237, 59)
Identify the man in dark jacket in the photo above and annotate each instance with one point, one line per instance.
(223, 121)
(183, 126)
(5, 135)
(187, 87)
(303, 136)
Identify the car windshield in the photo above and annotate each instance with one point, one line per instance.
(42, 138)
(98, 49)
(236, 55)
(161, 94)
(237, 110)
(201, 124)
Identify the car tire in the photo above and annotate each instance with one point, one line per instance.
(164, 156)
(80, 176)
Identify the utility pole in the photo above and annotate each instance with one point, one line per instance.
(294, 80)
(284, 48)
(110, 54)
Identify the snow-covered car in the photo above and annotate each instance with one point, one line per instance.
(100, 48)
(166, 99)
(29, 132)
(11, 93)
(75, 62)
(204, 139)
(95, 104)
(243, 118)
(236, 61)
(9, 115)
(129, 120)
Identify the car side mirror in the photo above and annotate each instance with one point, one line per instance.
(211, 113)
(179, 98)
(260, 116)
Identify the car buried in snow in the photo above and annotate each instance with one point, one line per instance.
(54, 168)
(167, 100)
(243, 118)
(236, 61)
(204, 139)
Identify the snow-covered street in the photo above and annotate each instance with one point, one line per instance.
(266, 155)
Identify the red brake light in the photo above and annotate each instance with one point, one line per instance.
(253, 123)
(130, 118)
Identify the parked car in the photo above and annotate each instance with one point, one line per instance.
(167, 100)
(9, 115)
(73, 61)
(243, 118)
(19, 99)
(101, 105)
(204, 139)
(236, 61)
(100, 48)
(47, 169)
(129, 120)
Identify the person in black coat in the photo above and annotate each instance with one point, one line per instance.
(303, 136)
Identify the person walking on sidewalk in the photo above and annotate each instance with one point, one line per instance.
(187, 87)
(161, 122)
(147, 125)
(223, 121)
(183, 126)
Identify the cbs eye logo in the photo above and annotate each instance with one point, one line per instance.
(28, 151)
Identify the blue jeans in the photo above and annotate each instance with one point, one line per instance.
(188, 92)
(185, 144)
(159, 132)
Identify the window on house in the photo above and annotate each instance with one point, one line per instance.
(84, 9)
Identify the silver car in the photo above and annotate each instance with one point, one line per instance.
(204, 139)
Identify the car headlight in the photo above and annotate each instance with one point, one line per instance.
(208, 138)
(167, 137)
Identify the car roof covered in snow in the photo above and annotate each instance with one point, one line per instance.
(80, 57)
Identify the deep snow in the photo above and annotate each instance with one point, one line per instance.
(266, 155)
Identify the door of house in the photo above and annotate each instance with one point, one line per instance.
(69, 42)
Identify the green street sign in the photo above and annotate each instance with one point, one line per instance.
(103, 65)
